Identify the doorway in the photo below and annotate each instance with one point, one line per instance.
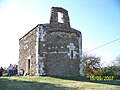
(29, 69)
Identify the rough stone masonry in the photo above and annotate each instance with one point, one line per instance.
(53, 49)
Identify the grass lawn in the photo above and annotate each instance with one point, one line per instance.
(55, 83)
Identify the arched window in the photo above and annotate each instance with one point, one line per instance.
(71, 54)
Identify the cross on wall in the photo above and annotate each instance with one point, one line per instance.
(72, 53)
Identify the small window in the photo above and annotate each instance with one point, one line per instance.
(71, 54)
(60, 17)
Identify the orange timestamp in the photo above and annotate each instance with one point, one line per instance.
(102, 78)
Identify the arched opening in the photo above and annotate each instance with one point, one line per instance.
(60, 17)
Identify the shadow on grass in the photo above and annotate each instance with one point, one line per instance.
(83, 79)
(10, 84)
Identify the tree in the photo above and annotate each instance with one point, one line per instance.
(113, 69)
(91, 65)
(117, 61)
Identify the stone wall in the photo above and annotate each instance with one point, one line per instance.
(27, 51)
(58, 59)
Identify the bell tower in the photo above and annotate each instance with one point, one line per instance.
(59, 15)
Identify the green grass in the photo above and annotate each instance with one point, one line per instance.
(55, 83)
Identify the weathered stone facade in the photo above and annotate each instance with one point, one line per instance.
(53, 49)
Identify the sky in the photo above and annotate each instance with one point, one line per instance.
(98, 21)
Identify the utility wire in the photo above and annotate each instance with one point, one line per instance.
(103, 45)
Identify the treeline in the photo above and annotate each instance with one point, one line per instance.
(92, 67)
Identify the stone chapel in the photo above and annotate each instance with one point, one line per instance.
(53, 49)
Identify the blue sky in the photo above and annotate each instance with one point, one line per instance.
(98, 20)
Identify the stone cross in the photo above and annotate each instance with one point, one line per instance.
(72, 52)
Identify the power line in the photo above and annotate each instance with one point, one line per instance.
(103, 45)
